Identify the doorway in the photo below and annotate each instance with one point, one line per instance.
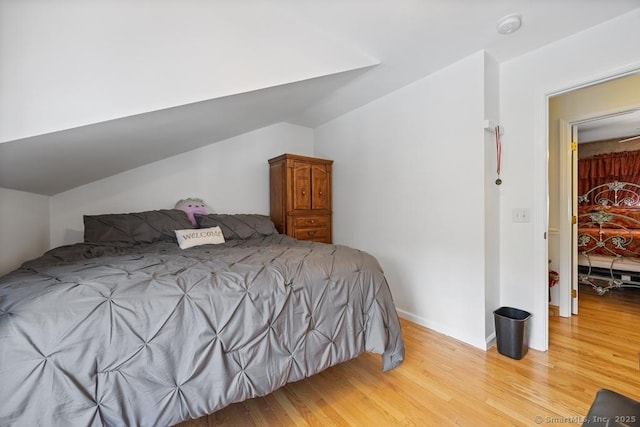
(591, 104)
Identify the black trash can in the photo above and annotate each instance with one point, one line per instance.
(512, 331)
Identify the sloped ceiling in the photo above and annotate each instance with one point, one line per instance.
(93, 88)
(55, 162)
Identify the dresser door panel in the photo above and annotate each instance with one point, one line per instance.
(319, 187)
(301, 186)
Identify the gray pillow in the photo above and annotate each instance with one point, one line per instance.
(137, 227)
(239, 226)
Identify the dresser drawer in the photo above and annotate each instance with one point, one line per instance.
(314, 234)
(311, 221)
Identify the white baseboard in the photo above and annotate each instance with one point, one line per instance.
(491, 340)
(446, 331)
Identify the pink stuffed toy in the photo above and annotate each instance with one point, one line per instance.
(192, 206)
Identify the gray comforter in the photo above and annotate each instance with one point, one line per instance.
(151, 335)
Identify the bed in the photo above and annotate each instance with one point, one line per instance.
(129, 329)
(609, 236)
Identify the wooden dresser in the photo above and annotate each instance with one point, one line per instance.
(301, 196)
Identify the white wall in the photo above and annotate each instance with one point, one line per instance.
(409, 189)
(525, 84)
(232, 176)
(24, 227)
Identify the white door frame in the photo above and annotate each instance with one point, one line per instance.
(574, 219)
(565, 264)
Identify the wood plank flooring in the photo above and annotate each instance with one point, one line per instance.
(446, 382)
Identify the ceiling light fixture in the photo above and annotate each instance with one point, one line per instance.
(509, 24)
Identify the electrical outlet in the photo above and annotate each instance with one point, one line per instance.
(520, 215)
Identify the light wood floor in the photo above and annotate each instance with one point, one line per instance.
(446, 382)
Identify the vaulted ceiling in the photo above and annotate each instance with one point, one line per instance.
(93, 88)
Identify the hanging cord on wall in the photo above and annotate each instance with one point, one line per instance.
(498, 154)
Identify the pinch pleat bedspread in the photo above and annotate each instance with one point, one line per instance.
(151, 335)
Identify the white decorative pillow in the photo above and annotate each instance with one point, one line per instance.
(199, 236)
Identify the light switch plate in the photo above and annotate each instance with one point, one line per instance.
(520, 215)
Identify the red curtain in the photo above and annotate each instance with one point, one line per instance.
(603, 168)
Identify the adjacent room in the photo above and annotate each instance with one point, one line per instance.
(276, 212)
(593, 174)
(608, 181)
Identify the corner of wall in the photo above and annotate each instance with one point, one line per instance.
(24, 227)
(492, 195)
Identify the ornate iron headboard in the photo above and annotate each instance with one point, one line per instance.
(613, 194)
